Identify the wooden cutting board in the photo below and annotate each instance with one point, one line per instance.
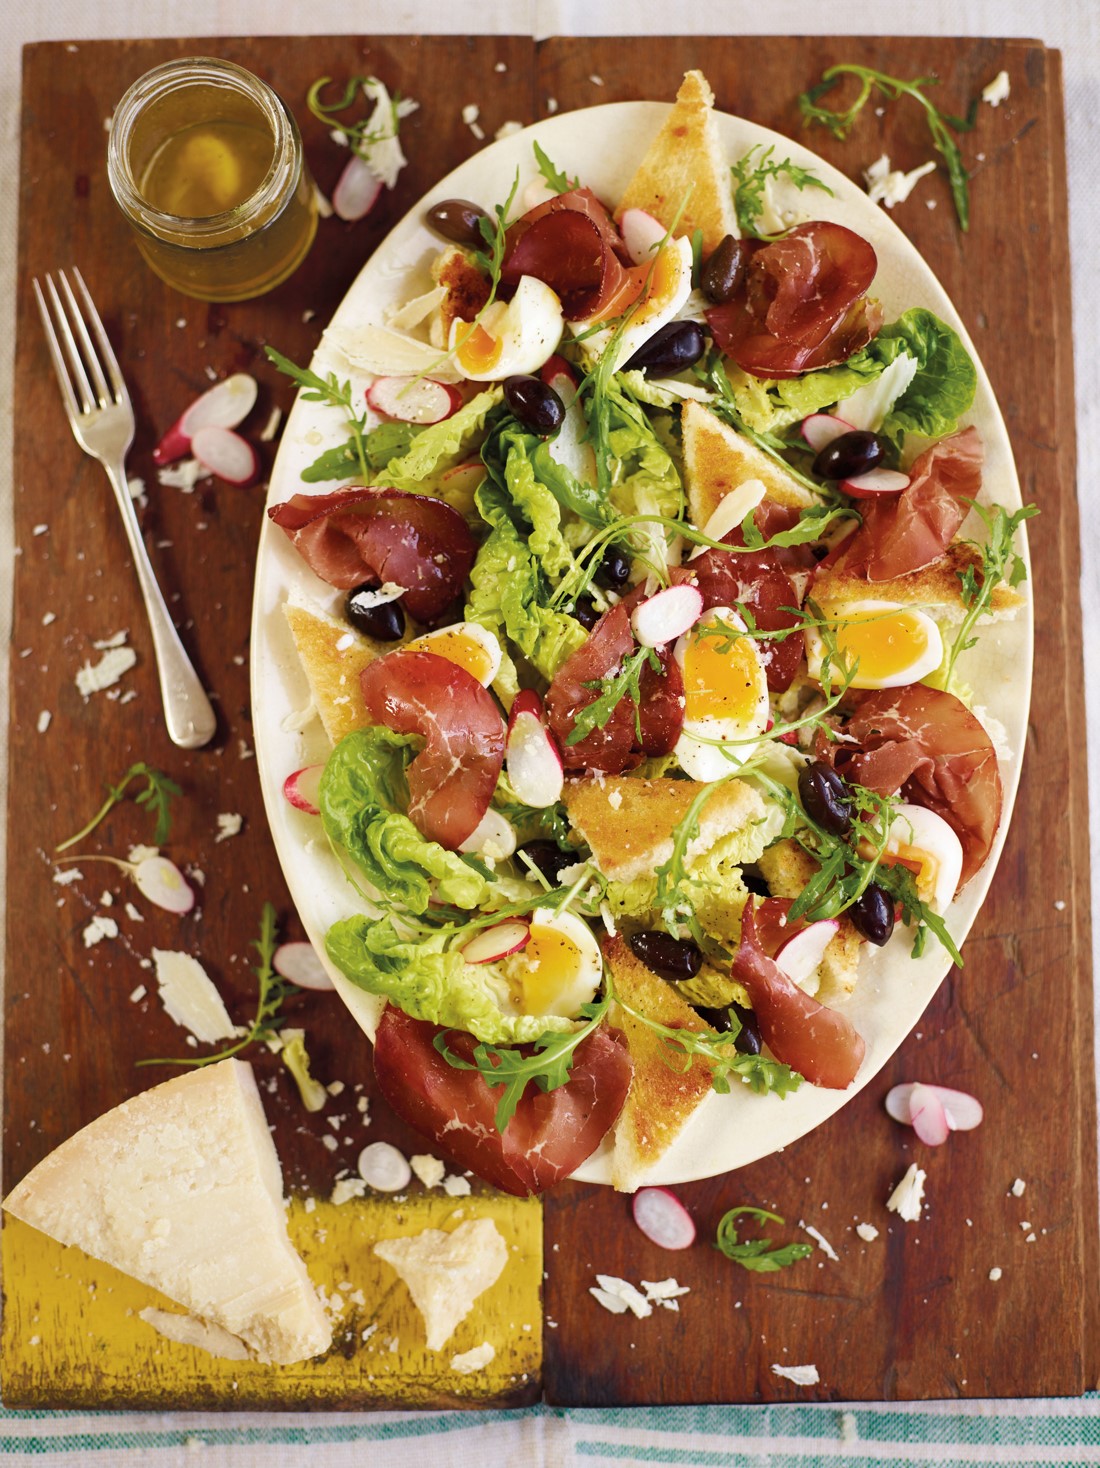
(912, 1313)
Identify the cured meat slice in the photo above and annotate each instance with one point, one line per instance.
(759, 353)
(571, 244)
(551, 1133)
(818, 1042)
(926, 745)
(452, 779)
(661, 705)
(358, 535)
(769, 594)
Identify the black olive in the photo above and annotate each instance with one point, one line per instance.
(718, 1019)
(384, 621)
(849, 455)
(584, 611)
(670, 349)
(536, 405)
(724, 271)
(872, 915)
(824, 798)
(550, 859)
(613, 572)
(748, 1040)
(458, 220)
(673, 958)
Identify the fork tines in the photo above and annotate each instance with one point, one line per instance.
(93, 378)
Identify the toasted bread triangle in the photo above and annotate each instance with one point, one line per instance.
(333, 655)
(684, 178)
(717, 459)
(937, 587)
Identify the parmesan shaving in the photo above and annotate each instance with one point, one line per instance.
(106, 673)
(189, 1331)
(190, 998)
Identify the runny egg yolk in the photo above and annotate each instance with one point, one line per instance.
(886, 643)
(480, 350)
(663, 278)
(458, 647)
(544, 972)
(721, 678)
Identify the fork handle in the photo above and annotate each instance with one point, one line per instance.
(188, 712)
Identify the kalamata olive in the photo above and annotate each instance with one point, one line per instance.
(748, 1038)
(536, 405)
(872, 915)
(850, 454)
(457, 220)
(584, 611)
(384, 621)
(724, 271)
(670, 349)
(824, 798)
(613, 571)
(550, 859)
(673, 958)
(718, 1019)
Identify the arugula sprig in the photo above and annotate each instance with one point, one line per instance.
(626, 683)
(156, 796)
(940, 124)
(317, 389)
(361, 138)
(759, 1255)
(1000, 561)
(555, 177)
(751, 175)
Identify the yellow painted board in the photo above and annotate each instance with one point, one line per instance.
(72, 1336)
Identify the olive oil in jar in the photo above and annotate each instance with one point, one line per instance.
(206, 163)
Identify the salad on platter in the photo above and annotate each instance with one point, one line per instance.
(644, 535)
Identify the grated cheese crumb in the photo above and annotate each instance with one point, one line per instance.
(867, 1232)
(44, 721)
(456, 1187)
(184, 475)
(476, 1359)
(68, 877)
(348, 1187)
(104, 674)
(997, 91)
(1017, 1187)
(800, 1375)
(229, 824)
(995, 1273)
(907, 1197)
(99, 928)
(619, 1295)
(138, 994)
(428, 1169)
(820, 1240)
(891, 186)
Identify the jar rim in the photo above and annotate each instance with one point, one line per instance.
(280, 178)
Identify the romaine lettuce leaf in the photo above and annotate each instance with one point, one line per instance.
(442, 445)
(946, 379)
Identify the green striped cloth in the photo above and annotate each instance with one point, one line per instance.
(894, 1435)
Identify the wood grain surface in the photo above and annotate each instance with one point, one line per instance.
(911, 1314)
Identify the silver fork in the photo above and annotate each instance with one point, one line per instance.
(102, 419)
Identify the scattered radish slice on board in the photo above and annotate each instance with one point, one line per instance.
(963, 1111)
(497, 942)
(162, 882)
(875, 483)
(641, 233)
(927, 1116)
(299, 963)
(302, 789)
(224, 406)
(663, 1218)
(819, 430)
(226, 454)
(531, 754)
(667, 615)
(801, 955)
(413, 400)
(384, 1168)
(357, 190)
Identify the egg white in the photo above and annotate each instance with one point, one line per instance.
(529, 328)
(657, 310)
(707, 762)
(912, 672)
(918, 834)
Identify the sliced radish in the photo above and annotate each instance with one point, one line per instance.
(667, 615)
(663, 1218)
(731, 510)
(801, 955)
(494, 835)
(558, 374)
(497, 942)
(927, 1115)
(224, 406)
(875, 483)
(302, 789)
(531, 754)
(357, 190)
(571, 446)
(963, 1111)
(226, 454)
(299, 963)
(384, 1168)
(413, 399)
(641, 234)
(162, 882)
(819, 429)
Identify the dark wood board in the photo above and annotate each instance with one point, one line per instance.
(912, 1314)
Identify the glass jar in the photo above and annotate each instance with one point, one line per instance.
(206, 163)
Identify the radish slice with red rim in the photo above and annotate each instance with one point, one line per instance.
(641, 233)
(161, 882)
(875, 484)
(413, 399)
(667, 615)
(964, 1112)
(663, 1218)
(302, 789)
(357, 190)
(927, 1115)
(226, 454)
(531, 754)
(497, 942)
(298, 962)
(801, 954)
(558, 374)
(819, 430)
(224, 406)
(494, 835)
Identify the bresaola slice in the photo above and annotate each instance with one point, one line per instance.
(570, 243)
(551, 1133)
(381, 535)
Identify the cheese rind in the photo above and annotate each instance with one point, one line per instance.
(181, 1188)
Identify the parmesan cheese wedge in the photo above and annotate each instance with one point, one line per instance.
(446, 1272)
(181, 1189)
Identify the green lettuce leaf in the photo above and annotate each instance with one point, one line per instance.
(442, 445)
(946, 379)
(363, 798)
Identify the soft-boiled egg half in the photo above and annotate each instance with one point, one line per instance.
(512, 337)
(893, 644)
(472, 647)
(667, 287)
(725, 695)
(558, 969)
(924, 842)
